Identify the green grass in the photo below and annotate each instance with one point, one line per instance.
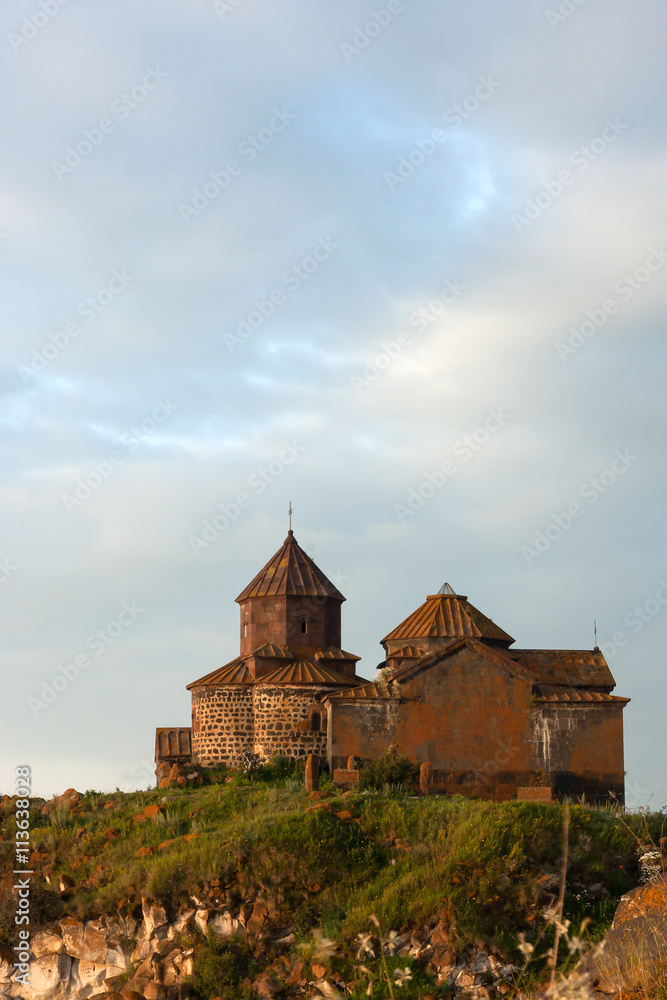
(403, 859)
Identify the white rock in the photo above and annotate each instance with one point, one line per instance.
(46, 943)
(49, 975)
(94, 973)
(201, 920)
(181, 922)
(154, 916)
(223, 924)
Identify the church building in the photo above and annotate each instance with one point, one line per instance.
(490, 720)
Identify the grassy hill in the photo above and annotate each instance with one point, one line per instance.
(485, 871)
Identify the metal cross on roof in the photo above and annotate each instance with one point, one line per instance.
(290, 515)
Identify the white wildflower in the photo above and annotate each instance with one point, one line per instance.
(390, 943)
(365, 945)
(402, 976)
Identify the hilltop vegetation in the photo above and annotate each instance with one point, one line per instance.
(483, 871)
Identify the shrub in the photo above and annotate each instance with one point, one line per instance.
(220, 968)
(393, 769)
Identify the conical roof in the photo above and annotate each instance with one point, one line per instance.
(448, 616)
(291, 573)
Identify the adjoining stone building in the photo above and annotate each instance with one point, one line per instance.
(488, 719)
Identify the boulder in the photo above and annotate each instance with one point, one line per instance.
(49, 975)
(223, 924)
(46, 943)
(634, 957)
(266, 985)
(155, 916)
(155, 991)
(94, 973)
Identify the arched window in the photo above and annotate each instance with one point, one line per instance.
(317, 718)
(245, 629)
(304, 626)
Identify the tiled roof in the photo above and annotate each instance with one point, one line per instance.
(362, 692)
(269, 651)
(498, 656)
(408, 652)
(556, 693)
(448, 616)
(303, 672)
(292, 573)
(235, 672)
(334, 654)
(568, 667)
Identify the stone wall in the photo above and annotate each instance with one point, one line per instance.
(222, 723)
(267, 720)
(360, 728)
(581, 746)
(289, 721)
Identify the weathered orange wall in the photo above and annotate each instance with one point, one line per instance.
(476, 724)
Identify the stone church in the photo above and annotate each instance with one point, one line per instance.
(490, 720)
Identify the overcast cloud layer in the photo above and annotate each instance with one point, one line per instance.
(402, 264)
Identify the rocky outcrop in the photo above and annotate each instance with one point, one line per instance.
(73, 959)
(146, 957)
(634, 957)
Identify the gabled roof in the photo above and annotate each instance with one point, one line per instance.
(569, 667)
(499, 657)
(448, 616)
(556, 693)
(292, 573)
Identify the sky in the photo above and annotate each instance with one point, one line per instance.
(402, 264)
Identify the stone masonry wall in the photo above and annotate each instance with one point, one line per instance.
(283, 721)
(222, 723)
(233, 718)
(581, 747)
